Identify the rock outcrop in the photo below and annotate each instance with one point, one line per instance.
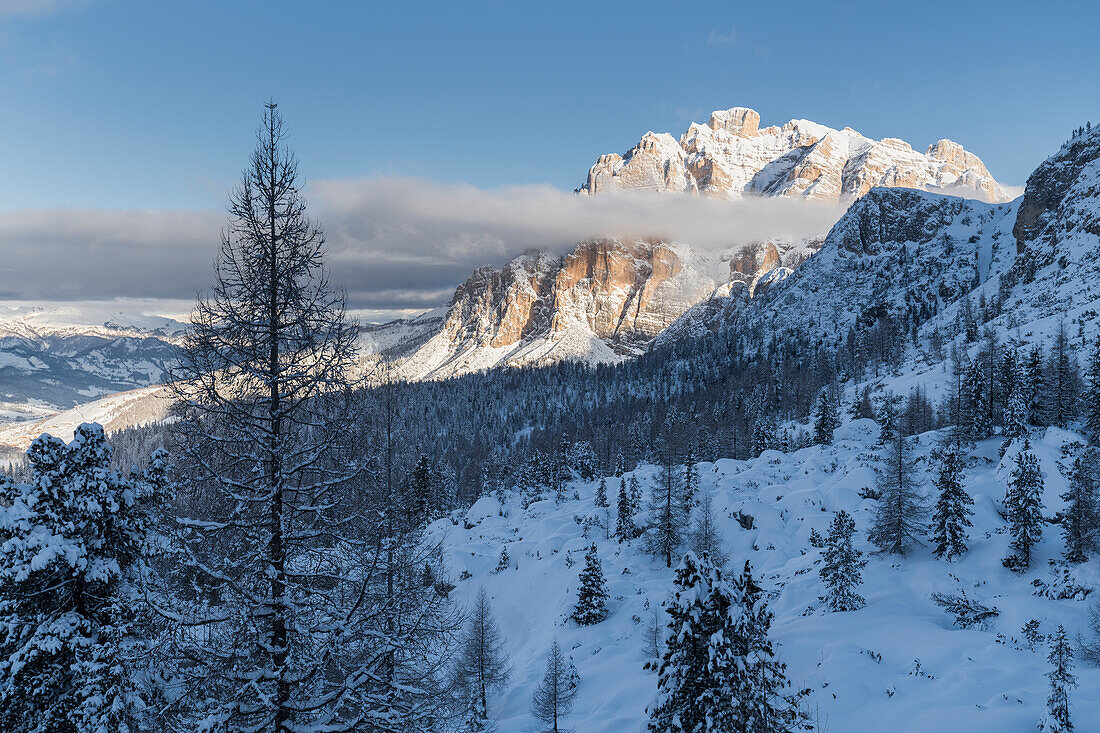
(604, 301)
(731, 156)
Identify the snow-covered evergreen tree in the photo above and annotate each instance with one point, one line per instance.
(952, 512)
(1057, 717)
(418, 499)
(826, 419)
(719, 671)
(1063, 379)
(862, 406)
(1092, 397)
(1081, 518)
(1015, 417)
(482, 663)
(504, 562)
(841, 565)
(625, 529)
(601, 494)
(899, 516)
(1037, 380)
(1023, 504)
(666, 525)
(705, 537)
(280, 471)
(700, 673)
(762, 436)
(73, 539)
(976, 398)
(476, 719)
(591, 607)
(635, 495)
(553, 698)
(691, 482)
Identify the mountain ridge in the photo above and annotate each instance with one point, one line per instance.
(731, 156)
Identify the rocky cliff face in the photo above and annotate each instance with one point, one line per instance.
(605, 300)
(731, 155)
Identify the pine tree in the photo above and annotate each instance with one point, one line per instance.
(592, 595)
(73, 541)
(504, 562)
(767, 705)
(719, 671)
(1015, 417)
(476, 719)
(861, 405)
(826, 420)
(625, 529)
(1064, 392)
(601, 494)
(1092, 397)
(762, 436)
(691, 483)
(665, 532)
(418, 500)
(841, 565)
(951, 515)
(1081, 519)
(700, 672)
(1062, 680)
(553, 698)
(977, 403)
(1037, 379)
(889, 419)
(898, 518)
(635, 494)
(482, 663)
(274, 479)
(1023, 503)
(706, 538)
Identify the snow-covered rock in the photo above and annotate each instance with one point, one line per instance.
(602, 302)
(731, 156)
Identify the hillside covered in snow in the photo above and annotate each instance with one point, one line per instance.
(901, 663)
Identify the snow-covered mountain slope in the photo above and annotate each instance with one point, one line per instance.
(900, 664)
(55, 358)
(731, 156)
(921, 256)
(114, 412)
(600, 303)
(894, 252)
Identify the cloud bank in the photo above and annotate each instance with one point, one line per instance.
(393, 243)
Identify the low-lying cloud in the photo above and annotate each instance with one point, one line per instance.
(411, 235)
(394, 244)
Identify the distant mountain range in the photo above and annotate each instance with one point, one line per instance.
(605, 301)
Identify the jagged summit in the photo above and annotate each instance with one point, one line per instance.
(731, 155)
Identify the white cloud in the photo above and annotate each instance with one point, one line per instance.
(394, 244)
(412, 236)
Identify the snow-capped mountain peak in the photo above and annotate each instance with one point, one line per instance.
(731, 156)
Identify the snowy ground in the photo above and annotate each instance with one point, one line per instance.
(898, 665)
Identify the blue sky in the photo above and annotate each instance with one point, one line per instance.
(437, 137)
(132, 104)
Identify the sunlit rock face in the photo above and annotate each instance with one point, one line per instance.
(605, 300)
